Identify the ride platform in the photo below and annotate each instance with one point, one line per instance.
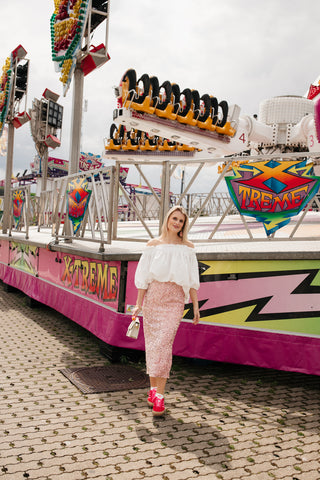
(259, 300)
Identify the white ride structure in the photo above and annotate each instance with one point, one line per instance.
(284, 124)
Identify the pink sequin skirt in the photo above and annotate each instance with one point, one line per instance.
(163, 308)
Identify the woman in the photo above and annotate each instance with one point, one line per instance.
(166, 276)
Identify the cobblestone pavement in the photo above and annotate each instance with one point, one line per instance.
(224, 421)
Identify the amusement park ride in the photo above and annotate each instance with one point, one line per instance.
(155, 118)
(163, 120)
(259, 305)
(72, 25)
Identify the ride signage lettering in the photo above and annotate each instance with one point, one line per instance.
(91, 277)
(272, 191)
(257, 200)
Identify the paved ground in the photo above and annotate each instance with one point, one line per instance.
(224, 421)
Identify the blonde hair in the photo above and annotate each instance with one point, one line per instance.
(183, 234)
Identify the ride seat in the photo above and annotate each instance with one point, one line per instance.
(182, 147)
(147, 147)
(146, 106)
(206, 125)
(112, 146)
(226, 130)
(188, 118)
(187, 106)
(128, 87)
(129, 145)
(143, 99)
(168, 112)
(166, 147)
(167, 107)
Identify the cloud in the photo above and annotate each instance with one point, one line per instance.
(243, 52)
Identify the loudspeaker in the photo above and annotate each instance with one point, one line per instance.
(21, 119)
(52, 141)
(96, 57)
(19, 52)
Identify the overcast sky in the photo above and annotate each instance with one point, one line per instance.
(243, 51)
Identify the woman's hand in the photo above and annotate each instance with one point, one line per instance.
(195, 303)
(136, 310)
(196, 317)
(139, 302)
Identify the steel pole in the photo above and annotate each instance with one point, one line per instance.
(7, 185)
(165, 193)
(44, 169)
(77, 100)
(182, 181)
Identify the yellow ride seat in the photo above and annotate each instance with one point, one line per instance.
(147, 147)
(129, 146)
(166, 106)
(206, 125)
(168, 112)
(145, 106)
(181, 147)
(151, 100)
(221, 123)
(192, 107)
(166, 147)
(144, 99)
(204, 119)
(111, 145)
(226, 130)
(188, 118)
(128, 85)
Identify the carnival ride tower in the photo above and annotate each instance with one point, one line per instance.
(73, 25)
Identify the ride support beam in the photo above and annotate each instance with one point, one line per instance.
(44, 169)
(7, 187)
(165, 189)
(76, 124)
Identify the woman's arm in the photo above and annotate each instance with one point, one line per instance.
(194, 299)
(140, 297)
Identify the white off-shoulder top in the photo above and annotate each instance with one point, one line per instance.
(168, 263)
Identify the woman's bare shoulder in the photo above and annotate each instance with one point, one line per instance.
(189, 244)
(153, 242)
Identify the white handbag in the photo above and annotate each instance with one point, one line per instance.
(134, 327)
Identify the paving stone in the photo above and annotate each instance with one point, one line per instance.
(308, 476)
(226, 422)
(310, 465)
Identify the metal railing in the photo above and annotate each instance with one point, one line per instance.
(95, 217)
(113, 209)
(22, 213)
(212, 204)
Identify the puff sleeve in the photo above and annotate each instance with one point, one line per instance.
(194, 280)
(142, 275)
(168, 263)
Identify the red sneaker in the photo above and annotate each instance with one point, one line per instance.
(151, 396)
(158, 406)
